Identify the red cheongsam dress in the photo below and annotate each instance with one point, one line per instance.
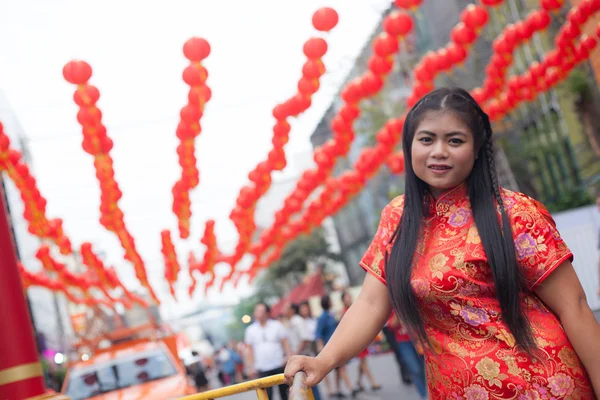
(473, 354)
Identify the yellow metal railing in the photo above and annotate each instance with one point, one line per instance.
(298, 391)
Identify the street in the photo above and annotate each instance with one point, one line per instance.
(384, 368)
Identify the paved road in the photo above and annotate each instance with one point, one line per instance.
(385, 369)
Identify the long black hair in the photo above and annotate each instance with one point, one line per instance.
(485, 198)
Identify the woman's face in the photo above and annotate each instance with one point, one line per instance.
(443, 151)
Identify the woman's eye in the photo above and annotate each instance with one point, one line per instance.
(425, 140)
(456, 141)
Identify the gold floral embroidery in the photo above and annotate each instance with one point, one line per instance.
(473, 236)
(506, 337)
(488, 368)
(569, 357)
(437, 265)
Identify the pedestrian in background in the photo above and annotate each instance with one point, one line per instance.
(269, 348)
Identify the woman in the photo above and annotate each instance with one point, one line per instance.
(326, 326)
(409, 354)
(479, 275)
(363, 366)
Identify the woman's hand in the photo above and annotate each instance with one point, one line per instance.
(314, 368)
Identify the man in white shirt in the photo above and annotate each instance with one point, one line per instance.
(299, 337)
(269, 348)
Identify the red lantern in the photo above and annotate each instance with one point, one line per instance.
(540, 19)
(577, 16)
(430, 62)
(492, 3)
(553, 58)
(89, 116)
(422, 74)
(511, 36)
(276, 158)
(478, 94)
(380, 65)
(588, 42)
(474, 17)
(199, 95)
(194, 75)
(571, 31)
(371, 83)
(398, 23)
(313, 69)
(196, 49)
(444, 60)
(308, 87)
(352, 92)
(315, 48)
(525, 30)
(339, 125)
(190, 114)
(77, 72)
(421, 88)
(385, 45)
(408, 4)
(462, 34)
(552, 5)
(325, 19)
(281, 128)
(411, 100)
(349, 112)
(456, 53)
(86, 95)
(396, 163)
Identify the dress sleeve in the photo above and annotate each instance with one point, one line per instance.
(373, 261)
(540, 248)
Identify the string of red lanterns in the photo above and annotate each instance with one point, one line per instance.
(209, 259)
(504, 46)
(338, 191)
(34, 203)
(397, 26)
(97, 143)
(83, 282)
(108, 276)
(172, 266)
(463, 35)
(30, 279)
(195, 75)
(242, 215)
(553, 68)
(11, 161)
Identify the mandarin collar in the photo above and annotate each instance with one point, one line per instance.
(442, 204)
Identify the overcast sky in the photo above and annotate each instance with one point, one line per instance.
(135, 50)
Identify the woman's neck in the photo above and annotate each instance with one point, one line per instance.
(436, 192)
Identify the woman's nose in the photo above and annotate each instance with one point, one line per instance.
(439, 150)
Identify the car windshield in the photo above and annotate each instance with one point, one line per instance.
(122, 372)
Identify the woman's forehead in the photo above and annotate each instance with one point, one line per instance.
(440, 121)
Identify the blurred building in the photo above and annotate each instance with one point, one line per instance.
(537, 142)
